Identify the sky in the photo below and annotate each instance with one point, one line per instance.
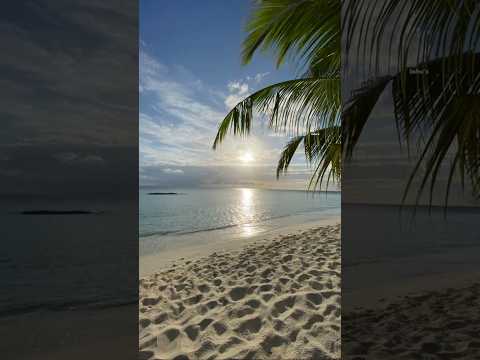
(190, 77)
(72, 123)
(382, 165)
(69, 81)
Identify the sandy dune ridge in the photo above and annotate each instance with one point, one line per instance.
(275, 299)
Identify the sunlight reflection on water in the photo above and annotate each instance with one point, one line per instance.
(247, 208)
(240, 211)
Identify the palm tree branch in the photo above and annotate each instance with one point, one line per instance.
(293, 106)
(301, 28)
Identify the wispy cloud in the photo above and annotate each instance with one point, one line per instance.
(240, 89)
(258, 77)
(237, 92)
(179, 117)
(172, 171)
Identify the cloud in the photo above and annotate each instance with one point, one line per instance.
(238, 87)
(232, 100)
(218, 176)
(172, 171)
(259, 77)
(96, 110)
(237, 92)
(178, 121)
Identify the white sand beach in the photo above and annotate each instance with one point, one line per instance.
(437, 324)
(276, 297)
(432, 316)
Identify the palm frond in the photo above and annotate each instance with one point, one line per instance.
(438, 107)
(287, 154)
(294, 106)
(328, 165)
(307, 30)
(322, 150)
(357, 111)
(441, 106)
(407, 32)
(429, 47)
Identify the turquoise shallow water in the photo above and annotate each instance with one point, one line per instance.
(245, 211)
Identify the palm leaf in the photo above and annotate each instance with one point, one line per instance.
(287, 154)
(441, 106)
(402, 32)
(322, 149)
(295, 106)
(435, 79)
(307, 30)
(357, 111)
(437, 106)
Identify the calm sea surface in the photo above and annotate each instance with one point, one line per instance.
(85, 260)
(226, 212)
(67, 261)
(92, 260)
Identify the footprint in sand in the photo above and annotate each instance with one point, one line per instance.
(276, 299)
(250, 326)
(238, 293)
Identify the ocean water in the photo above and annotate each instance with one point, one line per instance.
(208, 213)
(384, 244)
(58, 262)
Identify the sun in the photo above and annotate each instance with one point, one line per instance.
(247, 157)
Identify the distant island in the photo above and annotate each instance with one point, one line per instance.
(56, 212)
(164, 193)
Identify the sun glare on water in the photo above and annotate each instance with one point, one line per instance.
(247, 211)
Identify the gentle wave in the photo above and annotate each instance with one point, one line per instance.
(153, 233)
(222, 227)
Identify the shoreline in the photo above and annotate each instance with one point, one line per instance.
(380, 297)
(412, 275)
(187, 249)
(428, 307)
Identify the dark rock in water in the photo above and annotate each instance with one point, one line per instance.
(163, 193)
(56, 212)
